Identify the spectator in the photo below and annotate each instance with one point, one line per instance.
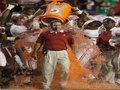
(19, 26)
(117, 7)
(107, 50)
(92, 7)
(82, 4)
(2, 6)
(115, 42)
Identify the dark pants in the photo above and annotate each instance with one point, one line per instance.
(7, 72)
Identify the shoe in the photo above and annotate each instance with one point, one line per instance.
(46, 88)
(27, 80)
(62, 87)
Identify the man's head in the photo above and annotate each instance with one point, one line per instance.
(56, 25)
(108, 23)
(22, 20)
(92, 24)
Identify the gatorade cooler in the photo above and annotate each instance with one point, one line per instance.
(56, 10)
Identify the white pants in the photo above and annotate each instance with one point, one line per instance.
(50, 61)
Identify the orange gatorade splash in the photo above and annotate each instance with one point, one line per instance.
(78, 74)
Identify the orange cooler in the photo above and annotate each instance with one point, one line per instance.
(56, 10)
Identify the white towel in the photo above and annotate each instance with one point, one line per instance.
(3, 60)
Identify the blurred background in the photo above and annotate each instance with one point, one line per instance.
(93, 7)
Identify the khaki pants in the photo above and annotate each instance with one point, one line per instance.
(110, 75)
(50, 61)
(116, 63)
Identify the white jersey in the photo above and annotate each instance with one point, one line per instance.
(16, 30)
(115, 30)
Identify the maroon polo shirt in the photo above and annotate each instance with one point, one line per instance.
(55, 40)
(103, 41)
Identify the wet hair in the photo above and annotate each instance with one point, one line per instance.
(22, 16)
(54, 21)
(14, 19)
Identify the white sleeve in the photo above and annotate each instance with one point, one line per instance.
(111, 42)
(18, 60)
(12, 29)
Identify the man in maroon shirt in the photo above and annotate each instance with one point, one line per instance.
(54, 43)
(107, 50)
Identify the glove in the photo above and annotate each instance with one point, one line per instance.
(10, 6)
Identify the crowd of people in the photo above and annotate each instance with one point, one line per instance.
(91, 6)
(23, 29)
